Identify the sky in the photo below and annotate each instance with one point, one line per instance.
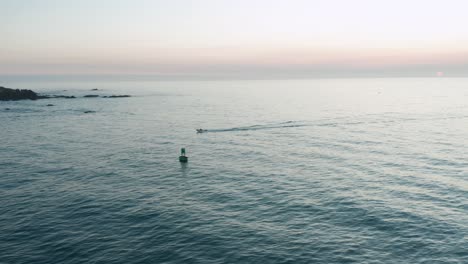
(234, 38)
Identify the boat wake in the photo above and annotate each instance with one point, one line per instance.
(337, 122)
(260, 127)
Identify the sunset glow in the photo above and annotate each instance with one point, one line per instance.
(221, 37)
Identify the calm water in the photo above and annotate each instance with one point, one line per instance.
(316, 171)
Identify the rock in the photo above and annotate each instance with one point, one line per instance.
(62, 96)
(7, 109)
(117, 96)
(8, 94)
(91, 95)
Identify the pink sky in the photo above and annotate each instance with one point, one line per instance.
(216, 37)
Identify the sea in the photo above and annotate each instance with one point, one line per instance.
(288, 171)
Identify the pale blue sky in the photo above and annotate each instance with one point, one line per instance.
(220, 37)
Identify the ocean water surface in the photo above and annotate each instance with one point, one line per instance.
(290, 171)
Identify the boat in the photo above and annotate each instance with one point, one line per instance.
(199, 130)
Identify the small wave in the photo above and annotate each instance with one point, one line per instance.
(21, 110)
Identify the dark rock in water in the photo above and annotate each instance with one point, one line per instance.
(117, 96)
(7, 109)
(63, 96)
(50, 105)
(8, 94)
(89, 112)
(91, 95)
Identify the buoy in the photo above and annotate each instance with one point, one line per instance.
(182, 157)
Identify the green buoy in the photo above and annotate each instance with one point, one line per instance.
(182, 157)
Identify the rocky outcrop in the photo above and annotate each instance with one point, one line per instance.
(8, 94)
